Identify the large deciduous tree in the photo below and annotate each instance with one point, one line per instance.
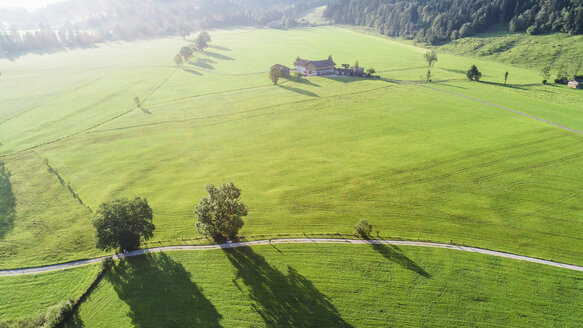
(121, 223)
(220, 213)
(200, 43)
(186, 52)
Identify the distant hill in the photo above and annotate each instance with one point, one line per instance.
(443, 20)
(81, 22)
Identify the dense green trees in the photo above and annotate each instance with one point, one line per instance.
(220, 213)
(434, 21)
(120, 224)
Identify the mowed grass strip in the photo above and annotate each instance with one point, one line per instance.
(332, 286)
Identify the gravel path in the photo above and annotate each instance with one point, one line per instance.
(56, 267)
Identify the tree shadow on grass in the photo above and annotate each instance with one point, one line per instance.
(214, 46)
(74, 321)
(304, 81)
(191, 71)
(204, 63)
(282, 300)
(510, 86)
(7, 202)
(394, 254)
(457, 71)
(160, 293)
(300, 91)
(218, 56)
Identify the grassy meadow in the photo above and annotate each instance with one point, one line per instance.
(332, 286)
(311, 156)
(29, 296)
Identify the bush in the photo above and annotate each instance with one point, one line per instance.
(473, 74)
(363, 228)
(544, 81)
(56, 313)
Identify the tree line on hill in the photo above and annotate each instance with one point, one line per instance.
(444, 20)
(82, 22)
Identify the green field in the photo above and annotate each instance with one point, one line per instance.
(332, 286)
(311, 156)
(29, 296)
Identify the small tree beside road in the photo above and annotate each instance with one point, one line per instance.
(363, 228)
(220, 213)
(120, 224)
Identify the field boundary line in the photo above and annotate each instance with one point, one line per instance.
(75, 264)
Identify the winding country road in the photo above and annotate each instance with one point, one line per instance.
(56, 267)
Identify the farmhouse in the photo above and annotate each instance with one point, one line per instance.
(576, 84)
(283, 70)
(318, 67)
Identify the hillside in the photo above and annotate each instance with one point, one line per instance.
(561, 51)
(435, 21)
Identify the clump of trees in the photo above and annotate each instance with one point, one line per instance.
(121, 224)
(473, 74)
(200, 43)
(362, 228)
(370, 71)
(221, 213)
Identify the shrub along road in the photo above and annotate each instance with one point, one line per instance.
(70, 265)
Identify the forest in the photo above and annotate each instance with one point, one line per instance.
(82, 22)
(439, 21)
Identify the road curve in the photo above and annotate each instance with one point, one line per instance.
(63, 266)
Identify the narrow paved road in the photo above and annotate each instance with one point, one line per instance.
(18, 272)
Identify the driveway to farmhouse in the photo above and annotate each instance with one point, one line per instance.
(56, 267)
